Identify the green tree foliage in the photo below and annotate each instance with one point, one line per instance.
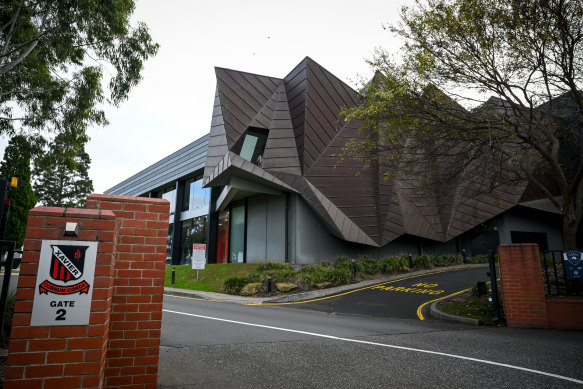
(61, 174)
(51, 58)
(485, 97)
(17, 163)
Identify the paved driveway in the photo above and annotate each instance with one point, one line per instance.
(398, 298)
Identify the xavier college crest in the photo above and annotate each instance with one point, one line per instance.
(64, 282)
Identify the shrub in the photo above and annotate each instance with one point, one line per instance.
(365, 265)
(341, 260)
(233, 285)
(315, 274)
(255, 276)
(283, 275)
(423, 262)
(444, 260)
(9, 313)
(270, 266)
(477, 259)
(394, 264)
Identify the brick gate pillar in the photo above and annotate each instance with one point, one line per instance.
(522, 285)
(62, 356)
(136, 317)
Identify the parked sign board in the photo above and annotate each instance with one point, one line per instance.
(64, 283)
(198, 256)
(573, 261)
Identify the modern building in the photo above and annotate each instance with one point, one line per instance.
(266, 184)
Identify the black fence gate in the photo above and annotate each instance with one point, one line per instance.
(555, 277)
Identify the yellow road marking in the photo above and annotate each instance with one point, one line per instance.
(354, 290)
(13, 274)
(420, 315)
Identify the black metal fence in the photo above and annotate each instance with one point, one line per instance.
(554, 276)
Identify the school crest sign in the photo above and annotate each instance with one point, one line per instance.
(64, 282)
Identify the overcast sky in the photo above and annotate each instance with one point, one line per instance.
(172, 106)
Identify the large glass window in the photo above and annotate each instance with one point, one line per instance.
(238, 234)
(223, 237)
(169, 243)
(254, 145)
(193, 231)
(195, 196)
(170, 195)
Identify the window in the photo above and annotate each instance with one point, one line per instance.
(193, 231)
(223, 237)
(169, 243)
(254, 145)
(170, 195)
(195, 196)
(539, 238)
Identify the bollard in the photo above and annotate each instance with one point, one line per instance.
(173, 275)
(353, 268)
(410, 261)
(269, 284)
(464, 255)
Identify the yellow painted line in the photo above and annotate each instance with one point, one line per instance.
(420, 315)
(355, 290)
(13, 274)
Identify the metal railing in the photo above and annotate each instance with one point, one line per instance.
(554, 276)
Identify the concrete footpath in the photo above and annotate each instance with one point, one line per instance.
(305, 295)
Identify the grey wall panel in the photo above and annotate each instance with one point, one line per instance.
(185, 161)
(256, 229)
(523, 221)
(275, 228)
(265, 229)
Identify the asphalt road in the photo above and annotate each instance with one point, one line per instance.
(399, 298)
(209, 344)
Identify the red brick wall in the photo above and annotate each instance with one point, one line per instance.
(525, 304)
(136, 319)
(565, 313)
(120, 346)
(62, 356)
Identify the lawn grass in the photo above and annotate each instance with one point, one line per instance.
(210, 279)
(475, 308)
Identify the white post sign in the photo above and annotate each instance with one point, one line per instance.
(64, 283)
(198, 256)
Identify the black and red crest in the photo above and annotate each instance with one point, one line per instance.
(67, 262)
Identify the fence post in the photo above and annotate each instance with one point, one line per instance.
(494, 284)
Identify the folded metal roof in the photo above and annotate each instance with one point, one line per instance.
(305, 136)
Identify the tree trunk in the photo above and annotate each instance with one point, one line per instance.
(570, 226)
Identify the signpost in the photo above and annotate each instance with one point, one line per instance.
(573, 261)
(198, 257)
(64, 283)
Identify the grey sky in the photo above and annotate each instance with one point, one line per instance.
(173, 104)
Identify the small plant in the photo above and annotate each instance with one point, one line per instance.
(365, 265)
(477, 259)
(423, 262)
(341, 260)
(269, 266)
(9, 313)
(234, 284)
(283, 275)
(394, 264)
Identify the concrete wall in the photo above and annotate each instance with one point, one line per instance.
(310, 242)
(527, 221)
